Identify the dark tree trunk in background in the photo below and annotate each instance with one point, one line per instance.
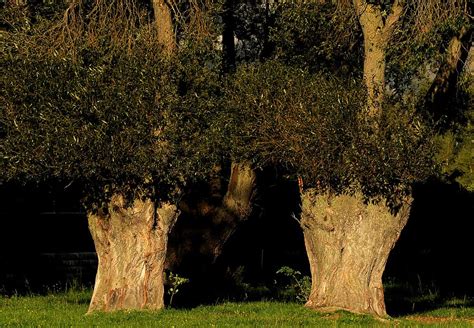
(210, 223)
(131, 244)
(348, 244)
(228, 45)
(443, 89)
(236, 205)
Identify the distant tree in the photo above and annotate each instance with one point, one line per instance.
(220, 205)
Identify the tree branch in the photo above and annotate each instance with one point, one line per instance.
(392, 19)
(370, 18)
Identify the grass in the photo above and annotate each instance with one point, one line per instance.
(68, 310)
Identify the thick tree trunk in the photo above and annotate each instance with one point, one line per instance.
(131, 243)
(348, 244)
(213, 218)
(236, 205)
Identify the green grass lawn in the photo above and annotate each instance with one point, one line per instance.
(68, 310)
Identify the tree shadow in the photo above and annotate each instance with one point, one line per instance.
(430, 264)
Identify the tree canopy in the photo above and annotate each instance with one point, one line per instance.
(311, 124)
(98, 105)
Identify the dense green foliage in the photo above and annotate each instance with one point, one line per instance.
(456, 152)
(419, 45)
(105, 113)
(104, 108)
(97, 103)
(314, 126)
(317, 36)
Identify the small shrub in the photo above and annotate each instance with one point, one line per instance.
(299, 285)
(175, 281)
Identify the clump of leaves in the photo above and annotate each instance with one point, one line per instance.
(418, 46)
(456, 153)
(175, 282)
(321, 36)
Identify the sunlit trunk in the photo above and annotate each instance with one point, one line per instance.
(348, 243)
(131, 244)
(164, 24)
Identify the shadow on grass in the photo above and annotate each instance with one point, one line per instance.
(403, 299)
(431, 261)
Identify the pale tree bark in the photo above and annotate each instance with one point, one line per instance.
(213, 222)
(164, 24)
(348, 243)
(131, 244)
(377, 31)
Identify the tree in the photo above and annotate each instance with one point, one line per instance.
(312, 127)
(81, 25)
(218, 206)
(356, 173)
(348, 239)
(92, 98)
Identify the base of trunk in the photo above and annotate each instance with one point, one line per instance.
(131, 243)
(348, 243)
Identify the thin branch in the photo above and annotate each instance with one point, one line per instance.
(392, 19)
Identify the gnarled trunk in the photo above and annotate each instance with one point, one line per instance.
(131, 243)
(236, 205)
(348, 243)
(212, 218)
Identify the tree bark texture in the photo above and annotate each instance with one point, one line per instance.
(131, 244)
(377, 32)
(164, 25)
(236, 205)
(209, 221)
(348, 243)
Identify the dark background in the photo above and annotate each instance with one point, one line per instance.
(45, 246)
